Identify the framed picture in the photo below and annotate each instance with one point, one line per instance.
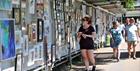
(40, 24)
(18, 37)
(9, 69)
(40, 10)
(19, 62)
(34, 31)
(36, 52)
(40, 50)
(31, 6)
(31, 57)
(17, 2)
(5, 4)
(16, 15)
(7, 41)
(25, 45)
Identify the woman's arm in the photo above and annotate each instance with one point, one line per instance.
(79, 35)
(91, 36)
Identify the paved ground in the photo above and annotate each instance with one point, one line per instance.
(106, 63)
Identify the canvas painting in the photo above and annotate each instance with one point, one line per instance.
(31, 6)
(31, 57)
(16, 15)
(34, 32)
(25, 45)
(18, 37)
(5, 4)
(9, 69)
(36, 52)
(40, 48)
(17, 2)
(7, 38)
(19, 62)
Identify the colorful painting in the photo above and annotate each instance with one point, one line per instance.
(7, 38)
(18, 37)
(5, 4)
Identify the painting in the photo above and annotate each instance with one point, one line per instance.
(40, 48)
(25, 45)
(9, 69)
(19, 62)
(31, 6)
(18, 37)
(40, 8)
(5, 4)
(31, 57)
(16, 15)
(17, 2)
(34, 32)
(7, 38)
(36, 52)
(40, 24)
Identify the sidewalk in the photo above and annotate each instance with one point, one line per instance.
(123, 48)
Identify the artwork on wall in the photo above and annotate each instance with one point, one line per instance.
(17, 2)
(5, 4)
(31, 57)
(34, 32)
(19, 62)
(40, 8)
(40, 48)
(31, 6)
(18, 37)
(9, 69)
(25, 44)
(7, 38)
(16, 15)
(40, 24)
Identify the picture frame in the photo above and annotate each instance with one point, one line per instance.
(19, 62)
(18, 38)
(31, 6)
(25, 44)
(34, 32)
(40, 24)
(8, 52)
(31, 57)
(16, 15)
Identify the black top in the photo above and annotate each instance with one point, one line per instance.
(86, 43)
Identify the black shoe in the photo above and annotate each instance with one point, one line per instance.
(86, 70)
(134, 57)
(93, 68)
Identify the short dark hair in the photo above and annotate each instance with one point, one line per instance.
(114, 22)
(87, 19)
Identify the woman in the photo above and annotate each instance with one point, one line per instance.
(132, 37)
(116, 34)
(86, 34)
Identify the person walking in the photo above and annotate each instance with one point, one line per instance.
(131, 37)
(86, 34)
(116, 39)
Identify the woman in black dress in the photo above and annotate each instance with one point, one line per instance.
(86, 34)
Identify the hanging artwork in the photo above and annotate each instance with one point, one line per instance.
(17, 2)
(31, 6)
(40, 24)
(34, 32)
(31, 57)
(40, 48)
(19, 62)
(16, 15)
(9, 69)
(7, 38)
(40, 8)
(25, 45)
(18, 37)
(5, 4)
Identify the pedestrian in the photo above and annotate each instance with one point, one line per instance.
(131, 37)
(116, 39)
(86, 35)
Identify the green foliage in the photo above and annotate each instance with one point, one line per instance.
(130, 4)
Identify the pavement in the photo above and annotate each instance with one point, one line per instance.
(104, 61)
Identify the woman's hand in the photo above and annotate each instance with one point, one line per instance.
(84, 35)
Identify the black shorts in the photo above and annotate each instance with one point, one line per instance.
(86, 44)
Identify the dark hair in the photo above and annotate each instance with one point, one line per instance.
(87, 19)
(114, 22)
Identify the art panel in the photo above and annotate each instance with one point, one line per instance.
(7, 38)
(5, 4)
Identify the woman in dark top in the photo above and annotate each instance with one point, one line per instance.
(86, 35)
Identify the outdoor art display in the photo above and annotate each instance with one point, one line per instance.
(7, 38)
(16, 15)
(31, 6)
(31, 57)
(18, 37)
(5, 4)
(40, 24)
